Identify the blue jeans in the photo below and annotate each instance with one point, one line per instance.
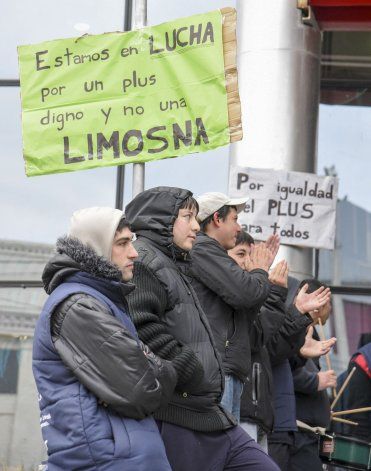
(231, 400)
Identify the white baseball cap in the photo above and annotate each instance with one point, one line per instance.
(209, 203)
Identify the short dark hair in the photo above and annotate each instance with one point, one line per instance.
(123, 223)
(222, 214)
(190, 203)
(312, 283)
(244, 238)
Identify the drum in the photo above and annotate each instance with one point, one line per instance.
(345, 452)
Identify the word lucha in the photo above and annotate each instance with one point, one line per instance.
(182, 37)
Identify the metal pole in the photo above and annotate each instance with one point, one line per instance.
(9, 83)
(279, 77)
(140, 21)
(120, 175)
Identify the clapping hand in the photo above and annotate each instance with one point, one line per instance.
(279, 274)
(260, 257)
(273, 244)
(311, 302)
(315, 348)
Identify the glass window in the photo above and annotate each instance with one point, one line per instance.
(9, 361)
(20, 436)
(344, 150)
(349, 319)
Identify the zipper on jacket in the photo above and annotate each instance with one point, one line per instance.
(230, 334)
(256, 371)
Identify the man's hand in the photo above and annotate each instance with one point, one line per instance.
(260, 257)
(315, 348)
(306, 302)
(279, 274)
(273, 244)
(326, 379)
(248, 263)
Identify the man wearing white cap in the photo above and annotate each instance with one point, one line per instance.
(98, 384)
(230, 296)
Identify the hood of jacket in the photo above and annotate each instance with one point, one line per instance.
(96, 228)
(152, 214)
(75, 261)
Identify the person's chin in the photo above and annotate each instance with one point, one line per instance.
(231, 245)
(187, 246)
(127, 275)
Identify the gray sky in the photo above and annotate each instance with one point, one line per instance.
(37, 209)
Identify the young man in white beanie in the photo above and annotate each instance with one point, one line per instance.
(98, 384)
(230, 296)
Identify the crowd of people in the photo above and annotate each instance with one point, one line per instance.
(171, 341)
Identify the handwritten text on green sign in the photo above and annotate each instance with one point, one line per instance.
(121, 98)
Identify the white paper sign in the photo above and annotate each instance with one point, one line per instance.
(299, 207)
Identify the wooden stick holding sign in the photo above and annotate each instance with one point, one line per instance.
(229, 16)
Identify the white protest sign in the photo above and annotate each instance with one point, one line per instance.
(299, 207)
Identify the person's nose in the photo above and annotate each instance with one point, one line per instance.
(133, 253)
(195, 225)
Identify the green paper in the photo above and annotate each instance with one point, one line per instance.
(119, 98)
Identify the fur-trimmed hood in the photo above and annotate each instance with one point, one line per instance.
(73, 256)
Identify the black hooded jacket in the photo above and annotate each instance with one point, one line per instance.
(276, 335)
(101, 352)
(168, 315)
(231, 298)
(257, 395)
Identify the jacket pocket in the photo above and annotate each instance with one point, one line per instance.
(122, 445)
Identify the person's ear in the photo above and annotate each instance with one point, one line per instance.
(216, 219)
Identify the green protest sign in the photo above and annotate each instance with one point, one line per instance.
(120, 98)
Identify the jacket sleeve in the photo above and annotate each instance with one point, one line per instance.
(305, 381)
(289, 336)
(256, 335)
(238, 288)
(273, 312)
(107, 360)
(269, 318)
(147, 304)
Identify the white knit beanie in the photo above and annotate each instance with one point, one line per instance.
(96, 227)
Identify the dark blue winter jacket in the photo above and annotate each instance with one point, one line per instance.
(81, 433)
